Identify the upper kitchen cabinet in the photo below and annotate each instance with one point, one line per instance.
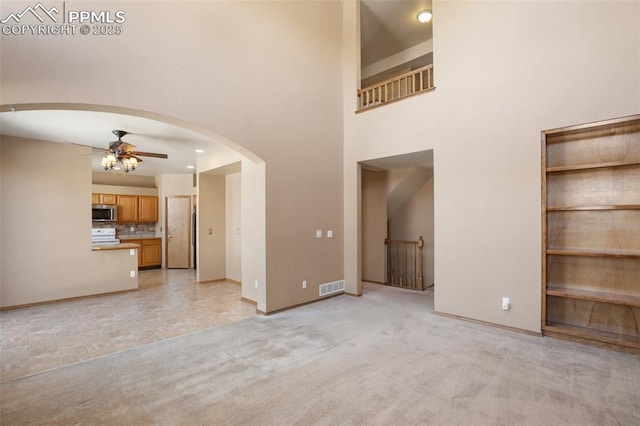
(147, 208)
(137, 208)
(127, 208)
(104, 198)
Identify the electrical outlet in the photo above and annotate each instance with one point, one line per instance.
(505, 304)
(132, 252)
(304, 284)
(132, 274)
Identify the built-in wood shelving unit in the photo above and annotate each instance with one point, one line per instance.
(591, 233)
(593, 208)
(598, 296)
(602, 253)
(557, 169)
(588, 335)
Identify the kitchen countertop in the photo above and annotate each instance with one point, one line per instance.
(121, 246)
(136, 237)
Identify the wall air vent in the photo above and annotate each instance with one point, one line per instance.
(332, 288)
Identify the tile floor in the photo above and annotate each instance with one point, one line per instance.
(169, 303)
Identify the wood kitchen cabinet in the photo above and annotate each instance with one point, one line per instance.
(104, 198)
(151, 250)
(149, 253)
(127, 208)
(137, 208)
(147, 208)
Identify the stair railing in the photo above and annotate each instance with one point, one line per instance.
(404, 264)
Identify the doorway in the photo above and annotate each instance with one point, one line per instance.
(178, 229)
(397, 205)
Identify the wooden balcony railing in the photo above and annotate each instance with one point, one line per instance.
(396, 88)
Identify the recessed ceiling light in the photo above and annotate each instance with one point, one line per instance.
(424, 16)
(199, 151)
(190, 167)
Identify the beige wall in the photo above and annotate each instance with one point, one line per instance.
(233, 229)
(123, 180)
(504, 72)
(1, 220)
(46, 227)
(290, 116)
(212, 235)
(415, 219)
(374, 225)
(126, 190)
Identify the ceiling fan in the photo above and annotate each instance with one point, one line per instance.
(124, 154)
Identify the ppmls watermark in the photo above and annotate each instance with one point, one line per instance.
(59, 20)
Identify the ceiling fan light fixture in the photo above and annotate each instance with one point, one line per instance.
(424, 16)
(109, 162)
(129, 164)
(122, 155)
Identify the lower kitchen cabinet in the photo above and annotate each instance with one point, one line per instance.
(150, 252)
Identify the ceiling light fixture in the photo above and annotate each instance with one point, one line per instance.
(190, 167)
(199, 151)
(424, 16)
(110, 162)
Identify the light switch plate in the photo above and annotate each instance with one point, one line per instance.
(318, 233)
(506, 303)
(329, 234)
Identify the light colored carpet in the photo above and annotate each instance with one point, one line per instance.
(382, 359)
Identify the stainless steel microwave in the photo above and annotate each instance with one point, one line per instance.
(104, 213)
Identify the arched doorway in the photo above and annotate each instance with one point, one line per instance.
(92, 124)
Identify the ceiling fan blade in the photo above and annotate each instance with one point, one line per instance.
(130, 155)
(89, 146)
(127, 147)
(121, 146)
(149, 154)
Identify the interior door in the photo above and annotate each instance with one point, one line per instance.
(178, 226)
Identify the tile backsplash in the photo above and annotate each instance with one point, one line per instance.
(124, 229)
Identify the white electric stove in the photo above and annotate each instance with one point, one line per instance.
(104, 236)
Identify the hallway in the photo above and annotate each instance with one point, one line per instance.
(168, 303)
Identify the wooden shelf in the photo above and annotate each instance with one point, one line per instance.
(593, 253)
(591, 334)
(596, 296)
(593, 208)
(556, 169)
(590, 217)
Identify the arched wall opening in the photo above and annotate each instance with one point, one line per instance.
(48, 273)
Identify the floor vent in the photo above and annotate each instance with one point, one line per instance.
(331, 288)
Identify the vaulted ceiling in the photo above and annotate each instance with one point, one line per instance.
(387, 27)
